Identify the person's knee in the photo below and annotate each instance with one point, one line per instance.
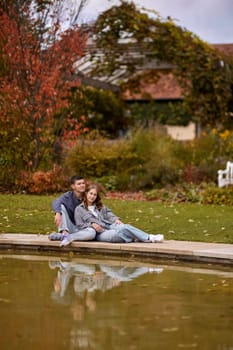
(91, 233)
(63, 208)
(117, 239)
(127, 226)
(125, 235)
(109, 237)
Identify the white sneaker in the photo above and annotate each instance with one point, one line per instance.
(156, 238)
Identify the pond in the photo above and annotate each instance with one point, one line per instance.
(56, 303)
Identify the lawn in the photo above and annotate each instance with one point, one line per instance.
(194, 222)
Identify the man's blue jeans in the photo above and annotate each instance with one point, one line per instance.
(75, 234)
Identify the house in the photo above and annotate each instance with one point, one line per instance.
(164, 91)
(167, 89)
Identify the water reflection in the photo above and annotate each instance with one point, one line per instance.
(87, 278)
(88, 303)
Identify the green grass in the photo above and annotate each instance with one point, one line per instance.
(194, 222)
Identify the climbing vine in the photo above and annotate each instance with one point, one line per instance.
(129, 38)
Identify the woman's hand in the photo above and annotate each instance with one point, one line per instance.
(118, 222)
(97, 227)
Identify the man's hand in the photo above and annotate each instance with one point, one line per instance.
(118, 222)
(97, 227)
(58, 219)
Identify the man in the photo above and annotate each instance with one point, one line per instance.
(64, 207)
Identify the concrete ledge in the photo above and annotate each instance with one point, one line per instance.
(178, 250)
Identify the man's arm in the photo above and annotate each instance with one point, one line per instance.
(56, 205)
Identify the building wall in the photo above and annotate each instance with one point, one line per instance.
(182, 133)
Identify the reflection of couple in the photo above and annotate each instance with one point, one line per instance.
(89, 278)
(81, 216)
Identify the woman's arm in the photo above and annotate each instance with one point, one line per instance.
(84, 218)
(108, 215)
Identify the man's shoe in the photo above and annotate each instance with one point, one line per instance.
(156, 238)
(56, 236)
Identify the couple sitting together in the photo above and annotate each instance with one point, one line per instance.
(81, 216)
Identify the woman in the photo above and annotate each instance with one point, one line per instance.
(91, 213)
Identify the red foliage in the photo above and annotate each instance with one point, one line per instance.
(72, 129)
(40, 67)
(137, 196)
(194, 174)
(41, 182)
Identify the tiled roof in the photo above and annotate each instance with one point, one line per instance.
(167, 87)
(226, 49)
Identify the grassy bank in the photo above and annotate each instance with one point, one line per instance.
(195, 222)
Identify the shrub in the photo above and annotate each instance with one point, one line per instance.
(159, 164)
(147, 159)
(110, 182)
(144, 159)
(203, 193)
(42, 182)
(219, 196)
(199, 174)
(100, 157)
(182, 193)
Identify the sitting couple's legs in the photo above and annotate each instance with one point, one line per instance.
(68, 232)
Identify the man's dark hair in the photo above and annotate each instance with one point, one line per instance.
(75, 178)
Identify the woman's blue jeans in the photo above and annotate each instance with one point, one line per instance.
(122, 233)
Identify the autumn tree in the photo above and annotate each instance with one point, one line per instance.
(39, 43)
(130, 39)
